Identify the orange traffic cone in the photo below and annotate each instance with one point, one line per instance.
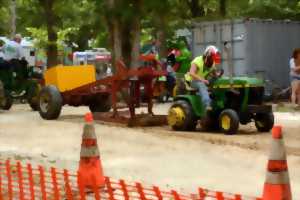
(277, 184)
(90, 167)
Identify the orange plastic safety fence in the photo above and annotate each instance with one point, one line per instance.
(24, 182)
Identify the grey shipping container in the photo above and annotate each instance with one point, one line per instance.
(260, 48)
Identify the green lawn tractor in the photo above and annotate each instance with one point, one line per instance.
(19, 82)
(235, 101)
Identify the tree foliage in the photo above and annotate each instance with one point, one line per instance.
(121, 24)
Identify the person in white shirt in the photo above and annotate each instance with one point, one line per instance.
(1, 50)
(2, 64)
(13, 50)
(295, 76)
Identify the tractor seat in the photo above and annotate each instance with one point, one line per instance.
(189, 88)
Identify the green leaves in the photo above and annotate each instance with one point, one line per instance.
(83, 20)
(40, 36)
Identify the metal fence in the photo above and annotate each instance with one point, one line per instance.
(260, 48)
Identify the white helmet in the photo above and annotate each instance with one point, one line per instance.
(214, 53)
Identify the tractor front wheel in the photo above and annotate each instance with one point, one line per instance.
(50, 103)
(229, 122)
(264, 122)
(181, 116)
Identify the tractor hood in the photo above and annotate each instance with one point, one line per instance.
(238, 82)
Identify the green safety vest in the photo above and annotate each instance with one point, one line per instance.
(202, 71)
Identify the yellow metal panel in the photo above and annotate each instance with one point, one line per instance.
(70, 77)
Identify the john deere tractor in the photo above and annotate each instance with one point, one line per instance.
(19, 82)
(235, 101)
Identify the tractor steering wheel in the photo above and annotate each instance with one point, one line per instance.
(215, 76)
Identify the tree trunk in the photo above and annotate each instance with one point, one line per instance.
(135, 41)
(124, 31)
(161, 37)
(196, 8)
(136, 35)
(115, 35)
(51, 19)
(117, 40)
(223, 7)
(13, 17)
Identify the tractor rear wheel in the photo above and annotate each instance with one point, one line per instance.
(229, 122)
(264, 122)
(6, 101)
(181, 116)
(101, 103)
(50, 103)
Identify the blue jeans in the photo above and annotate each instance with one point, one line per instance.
(295, 78)
(202, 92)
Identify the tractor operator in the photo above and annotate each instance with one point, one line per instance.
(13, 52)
(2, 94)
(200, 68)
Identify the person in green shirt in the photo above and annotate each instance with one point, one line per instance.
(201, 67)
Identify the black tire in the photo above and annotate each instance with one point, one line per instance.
(264, 122)
(189, 122)
(101, 103)
(50, 103)
(33, 96)
(7, 102)
(232, 126)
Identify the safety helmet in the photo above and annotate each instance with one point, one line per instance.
(213, 52)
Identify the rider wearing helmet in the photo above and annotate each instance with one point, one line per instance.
(200, 68)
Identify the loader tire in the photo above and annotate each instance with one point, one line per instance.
(50, 103)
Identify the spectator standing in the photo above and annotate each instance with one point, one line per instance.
(295, 76)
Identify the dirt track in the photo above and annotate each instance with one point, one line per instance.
(182, 161)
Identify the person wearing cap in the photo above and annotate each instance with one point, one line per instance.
(201, 67)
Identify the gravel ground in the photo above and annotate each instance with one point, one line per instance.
(181, 161)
